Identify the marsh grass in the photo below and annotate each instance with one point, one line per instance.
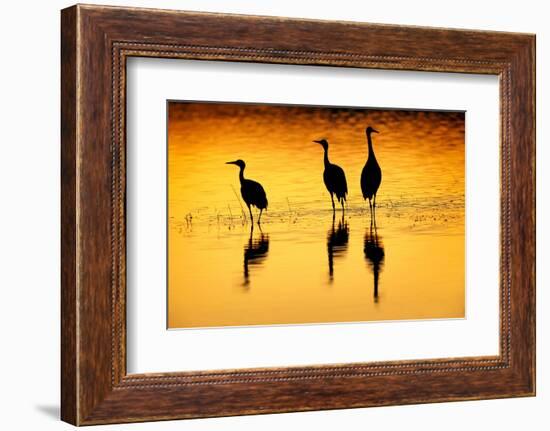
(403, 214)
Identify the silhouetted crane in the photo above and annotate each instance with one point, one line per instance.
(252, 192)
(334, 178)
(371, 177)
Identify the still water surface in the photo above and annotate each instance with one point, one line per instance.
(305, 265)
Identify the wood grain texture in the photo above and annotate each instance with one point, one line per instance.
(96, 41)
(69, 366)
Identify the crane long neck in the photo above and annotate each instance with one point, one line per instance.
(327, 163)
(371, 150)
(241, 174)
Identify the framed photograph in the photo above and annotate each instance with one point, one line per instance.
(264, 214)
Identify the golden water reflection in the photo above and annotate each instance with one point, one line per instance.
(306, 264)
(374, 255)
(255, 252)
(337, 243)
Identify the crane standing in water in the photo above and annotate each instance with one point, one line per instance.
(252, 192)
(334, 178)
(371, 177)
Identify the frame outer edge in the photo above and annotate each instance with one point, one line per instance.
(530, 62)
(524, 216)
(533, 53)
(69, 302)
(87, 399)
(532, 82)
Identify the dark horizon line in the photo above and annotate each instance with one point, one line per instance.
(302, 105)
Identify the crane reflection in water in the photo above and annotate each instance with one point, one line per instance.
(337, 243)
(255, 252)
(374, 255)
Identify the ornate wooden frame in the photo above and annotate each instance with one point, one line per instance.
(95, 43)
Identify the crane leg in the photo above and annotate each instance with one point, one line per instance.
(342, 202)
(374, 209)
(251, 218)
(333, 207)
(370, 209)
(260, 217)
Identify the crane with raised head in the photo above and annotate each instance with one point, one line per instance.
(371, 176)
(334, 178)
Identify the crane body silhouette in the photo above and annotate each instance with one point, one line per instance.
(252, 192)
(371, 176)
(334, 178)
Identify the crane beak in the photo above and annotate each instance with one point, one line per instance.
(317, 142)
(230, 163)
(375, 131)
